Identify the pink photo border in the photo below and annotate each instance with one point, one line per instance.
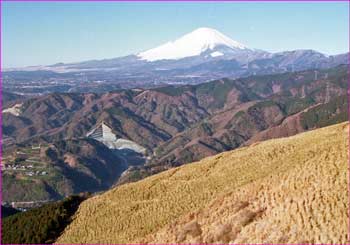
(171, 1)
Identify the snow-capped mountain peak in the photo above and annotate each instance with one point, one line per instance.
(191, 44)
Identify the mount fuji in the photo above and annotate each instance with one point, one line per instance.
(199, 41)
(201, 55)
(201, 45)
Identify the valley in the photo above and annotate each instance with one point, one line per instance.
(152, 130)
(56, 170)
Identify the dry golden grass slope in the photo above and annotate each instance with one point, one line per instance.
(288, 190)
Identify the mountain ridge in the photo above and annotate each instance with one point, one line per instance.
(181, 124)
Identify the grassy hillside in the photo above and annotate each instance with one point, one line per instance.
(288, 190)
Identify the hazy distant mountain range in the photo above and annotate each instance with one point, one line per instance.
(202, 55)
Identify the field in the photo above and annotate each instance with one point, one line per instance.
(25, 171)
(288, 190)
(26, 161)
(29, 177)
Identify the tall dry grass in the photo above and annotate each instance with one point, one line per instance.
(287, 190)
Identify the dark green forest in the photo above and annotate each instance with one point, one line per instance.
(40, 225)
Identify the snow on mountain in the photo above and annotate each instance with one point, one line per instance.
(216, 54)
(192, 44)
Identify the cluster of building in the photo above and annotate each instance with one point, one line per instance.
(36, 173)
(24, 206)
(17, 167)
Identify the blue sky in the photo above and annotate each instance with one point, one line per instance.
(40, 33)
